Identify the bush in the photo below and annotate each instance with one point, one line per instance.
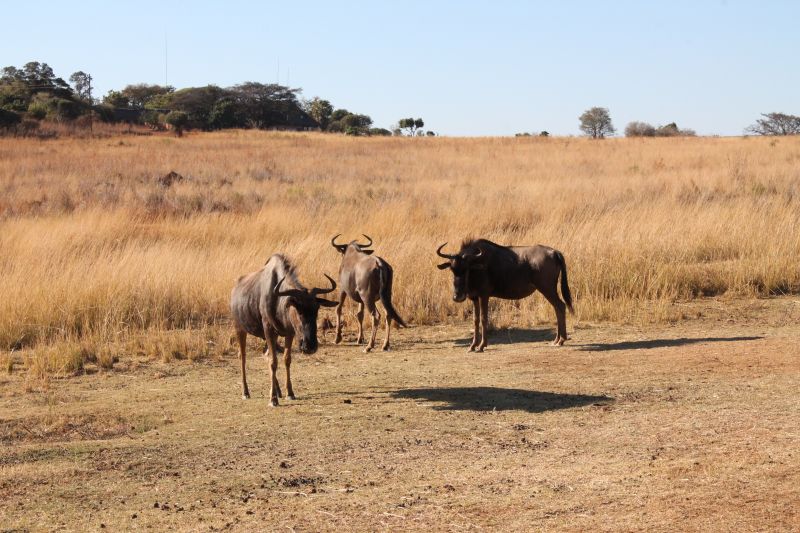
(9, 119)
(178, 121)
(639, 129)
(37, 109)
(382, 132)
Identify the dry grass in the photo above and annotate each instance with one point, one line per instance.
(691, 427)
(93, 249)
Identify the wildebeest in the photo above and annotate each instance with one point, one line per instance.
(365, 278)
(482, 269)
(271, 302)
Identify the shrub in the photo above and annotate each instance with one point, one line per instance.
(178, 121)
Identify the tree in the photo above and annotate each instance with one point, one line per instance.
(775, 124)
(411, 125)
(354, 124)
(380, 132)
(178, 121)
(596, 123)
(639, 129)
(140, 94)
(82, 83)
(321, 111)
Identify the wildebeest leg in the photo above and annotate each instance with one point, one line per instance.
(385, 346)
(241, 336)
(484, 322)
(272, 354)
(376, 316)
(342, 298)
(360, 317)
(476, 323)
(287, 361)
(561, 316)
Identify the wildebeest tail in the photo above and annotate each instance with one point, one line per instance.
(564, 285)
(386, 293)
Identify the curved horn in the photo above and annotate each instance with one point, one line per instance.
(277, 292)
(315, 291)
(368, 244)
(339, 247)
(440, 254)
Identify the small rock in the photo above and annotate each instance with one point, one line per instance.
(347, 401)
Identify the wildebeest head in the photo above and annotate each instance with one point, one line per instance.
(462, 264)
(302, 308)
(342, 248)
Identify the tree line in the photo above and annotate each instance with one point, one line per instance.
(34, 92)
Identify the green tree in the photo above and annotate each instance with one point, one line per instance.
(596, 123)
(411, 125)
(82, 83)
(116, 99)
(356, 124)
(140, 94)
(178, 120)
(320, 110)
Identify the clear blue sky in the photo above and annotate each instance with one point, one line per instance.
(466, 68)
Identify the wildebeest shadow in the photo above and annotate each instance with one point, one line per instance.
(657, 343)
(494, 398)
(513, 336)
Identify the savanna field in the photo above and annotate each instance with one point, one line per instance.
(673, 406)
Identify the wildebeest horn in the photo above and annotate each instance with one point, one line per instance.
(340, 247)
(440, 254)
(368, 244)
(315, 291)
(278, 292)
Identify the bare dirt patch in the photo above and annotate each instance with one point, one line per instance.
(691, 426)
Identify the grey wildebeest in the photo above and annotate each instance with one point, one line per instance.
(271, 302)
(482, 269)
(365, 278)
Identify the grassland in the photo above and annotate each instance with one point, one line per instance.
(98, 258)
(673, 406)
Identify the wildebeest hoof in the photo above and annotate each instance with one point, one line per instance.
(368, 349)
(338, 340)
(385, 348)
(274, 402)
(246, 396)
(291, 397)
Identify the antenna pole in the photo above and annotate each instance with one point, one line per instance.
(166, 62)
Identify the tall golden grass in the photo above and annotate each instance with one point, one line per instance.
(93, 248)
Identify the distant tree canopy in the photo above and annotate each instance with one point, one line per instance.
(596, 123)
(643, 129)
(411, 125)
(775, 124)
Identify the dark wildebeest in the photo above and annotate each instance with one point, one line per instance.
(365, 278)
(272, 302)
(482, 269)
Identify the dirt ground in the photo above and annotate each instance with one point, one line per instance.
(693, 426)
